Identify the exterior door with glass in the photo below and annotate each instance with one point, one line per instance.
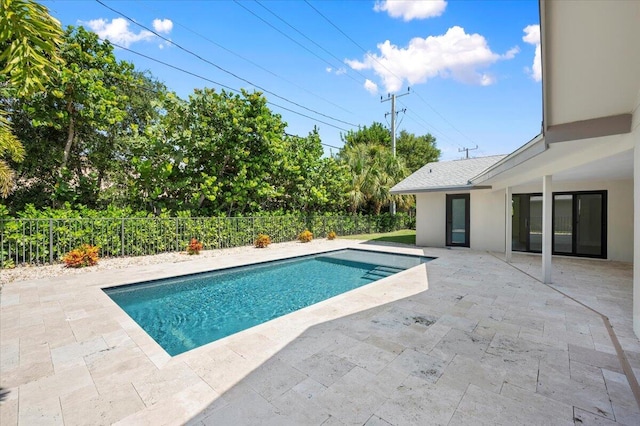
(580, 223)
(458, 219)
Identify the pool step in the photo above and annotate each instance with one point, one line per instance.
(380, 272)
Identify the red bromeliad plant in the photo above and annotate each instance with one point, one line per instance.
(331, 236)
(194, 246)
(85, 255)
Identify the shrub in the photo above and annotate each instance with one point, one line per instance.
(305, 236)
(262, 241)
(85, 255)
(194, 246)
(331, 235)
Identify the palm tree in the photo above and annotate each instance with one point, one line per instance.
(374, 171)
(356, 158)
(9, 146)
(30, 38)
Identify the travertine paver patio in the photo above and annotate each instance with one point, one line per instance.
(467, 339)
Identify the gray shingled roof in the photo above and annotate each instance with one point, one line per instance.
(445, 175)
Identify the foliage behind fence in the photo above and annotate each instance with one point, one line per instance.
(38, 241)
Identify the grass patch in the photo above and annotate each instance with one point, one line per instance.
(404, 236)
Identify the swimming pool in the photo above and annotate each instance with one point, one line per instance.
(186, 312)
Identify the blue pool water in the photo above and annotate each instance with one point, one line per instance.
(186, 312)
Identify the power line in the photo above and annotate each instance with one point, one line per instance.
(284, 34)
(299, 137)
(384, 66)
(443, 139)
(334, 26)
(430, 127)
(308, 38)
(255, 64)
(223, 85)
(221, 68)
(443, 118)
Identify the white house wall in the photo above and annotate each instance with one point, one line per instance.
(487, 221)
(430, 219)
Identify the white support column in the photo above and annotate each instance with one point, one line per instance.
(636, 231)
(508, 219)
(547, 211)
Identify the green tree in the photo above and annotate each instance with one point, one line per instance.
(29, 38)
(416, 151)
(77, 132)
(214, 153)
(374, 170)
(307, 182)
(376, 134)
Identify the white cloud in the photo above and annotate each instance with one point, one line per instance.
(163, 25)
(511, 53)
(370, 86)
(455, 54)
(532, 36)
(338, 71)
(487, 80)
(411, 9)
(117, 31)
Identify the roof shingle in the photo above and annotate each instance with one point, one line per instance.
(445, 174)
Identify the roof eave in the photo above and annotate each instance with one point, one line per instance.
(527, 151)
(439, 189)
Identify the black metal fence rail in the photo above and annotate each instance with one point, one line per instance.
(40, 241)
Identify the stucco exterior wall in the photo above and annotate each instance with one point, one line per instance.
(430, 219)
(487, 222)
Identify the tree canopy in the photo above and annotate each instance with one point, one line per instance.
(416, 151)
(97, 133)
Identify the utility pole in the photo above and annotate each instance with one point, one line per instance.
(392, 98)
(467, 151)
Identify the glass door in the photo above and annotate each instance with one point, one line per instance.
(535, 223)
(590, 224)
(457, 220)
(579, 223)
(563, 223)
(526, 222)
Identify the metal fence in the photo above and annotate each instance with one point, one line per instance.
(39, 241)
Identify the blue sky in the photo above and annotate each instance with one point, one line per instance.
(472, 66)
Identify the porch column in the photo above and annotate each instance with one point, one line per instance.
(636, 229)
(508, 227)
(547, 199)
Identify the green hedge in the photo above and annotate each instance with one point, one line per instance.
(38, 240)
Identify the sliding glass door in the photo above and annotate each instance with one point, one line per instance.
(579, 223)
(527, 223)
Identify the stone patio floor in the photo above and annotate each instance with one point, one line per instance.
(464, 339)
